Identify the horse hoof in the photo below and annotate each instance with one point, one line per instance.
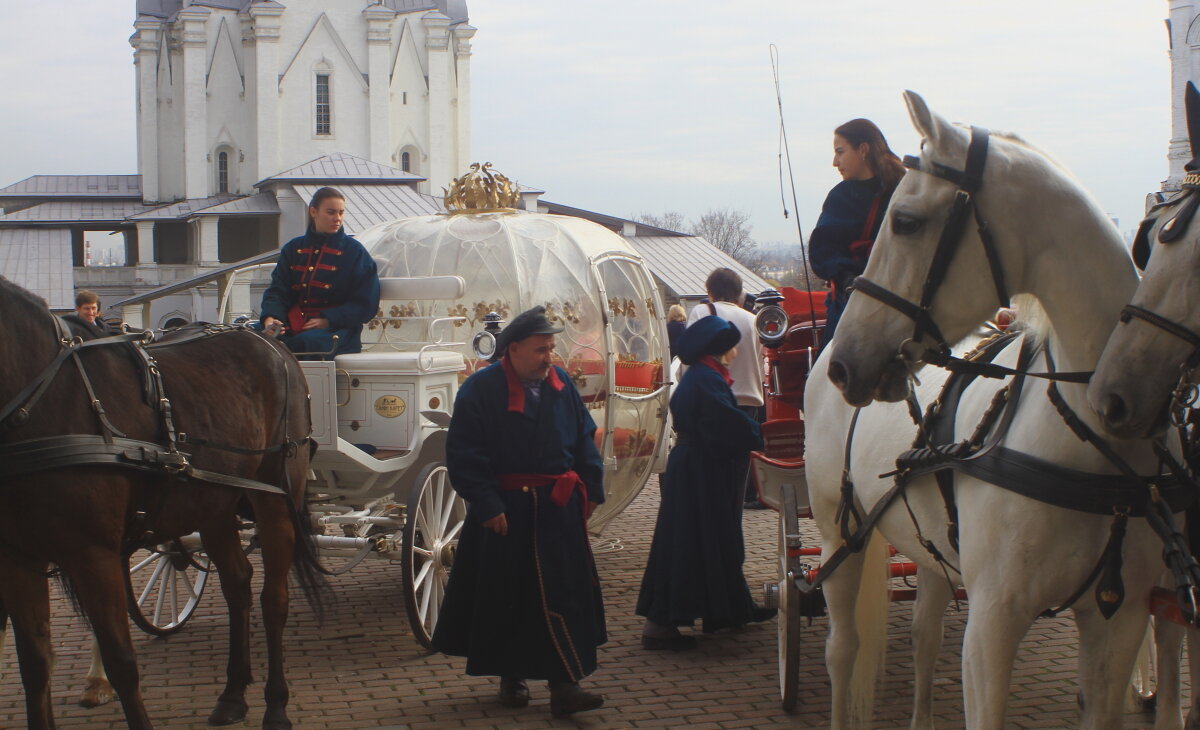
(227, 713)
(276, 723)
(97, 692)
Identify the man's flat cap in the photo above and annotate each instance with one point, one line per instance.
(526, 324)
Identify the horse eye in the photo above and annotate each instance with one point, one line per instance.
(906, 225)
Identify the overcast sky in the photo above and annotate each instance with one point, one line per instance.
(628, 106)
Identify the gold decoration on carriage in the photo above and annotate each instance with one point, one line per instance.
(622, 307)
(1191, 181)
(482, 309)
(389, 406)
(569, 313)
(395, 313)
(481, 190)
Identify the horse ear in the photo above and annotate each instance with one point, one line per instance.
(930, 125)
(1191, 103)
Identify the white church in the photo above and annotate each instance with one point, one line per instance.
(244, 109)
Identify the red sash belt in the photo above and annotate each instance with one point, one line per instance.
(563, 483)
(298, 315)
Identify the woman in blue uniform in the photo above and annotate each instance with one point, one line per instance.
(695, 565)
(325, 284)
(853, 211)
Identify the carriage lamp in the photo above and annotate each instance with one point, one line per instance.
(771, 322)
(484, 343)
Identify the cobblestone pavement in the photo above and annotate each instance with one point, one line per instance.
(362, 668)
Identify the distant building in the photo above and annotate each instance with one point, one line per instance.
(1183, 35)
(244, 109)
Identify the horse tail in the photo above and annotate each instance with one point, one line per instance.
(306, 565)
(870, 621)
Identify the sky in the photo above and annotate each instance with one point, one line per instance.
(628, 106)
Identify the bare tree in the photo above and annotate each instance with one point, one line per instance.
(729, 230)
(672, 220)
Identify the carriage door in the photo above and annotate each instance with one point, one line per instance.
(635, 410)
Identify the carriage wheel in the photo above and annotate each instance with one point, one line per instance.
(788, 622)
(164, 585)
(435, 518)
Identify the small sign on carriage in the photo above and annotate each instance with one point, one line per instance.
(389, 406)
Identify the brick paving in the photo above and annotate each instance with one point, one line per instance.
(362, 668)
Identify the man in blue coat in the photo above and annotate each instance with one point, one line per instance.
(523, 600)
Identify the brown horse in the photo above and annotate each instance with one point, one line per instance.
(234, 403)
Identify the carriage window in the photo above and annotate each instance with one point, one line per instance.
(324, 105)
(223, 172)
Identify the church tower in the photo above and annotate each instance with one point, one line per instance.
(231, 92)
(1184, 31)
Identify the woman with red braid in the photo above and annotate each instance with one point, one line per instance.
(324, 285)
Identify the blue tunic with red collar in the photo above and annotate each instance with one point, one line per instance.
(525, 605)
(330, 276)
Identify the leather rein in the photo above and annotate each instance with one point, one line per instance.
(1122, 496)
(111, 446)
(968, 181)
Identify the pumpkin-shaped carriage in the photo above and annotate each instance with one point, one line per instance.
(378, 485)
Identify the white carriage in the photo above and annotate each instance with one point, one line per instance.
(378, 486)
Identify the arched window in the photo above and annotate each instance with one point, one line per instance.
(222, 172)
(406, 162)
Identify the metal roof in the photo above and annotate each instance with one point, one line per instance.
(77, 211)
(39, 259)
(455, 9)
(683, 263)
(181, 208)
(344, 168)
(75, 186)
(168, 8)
(368, 205)
(260, 204)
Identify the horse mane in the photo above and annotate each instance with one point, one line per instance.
(1032, 319)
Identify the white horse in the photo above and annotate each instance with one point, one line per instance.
(1148, 355)
(1019, 556)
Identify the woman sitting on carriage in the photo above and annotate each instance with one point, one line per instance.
(325, 285)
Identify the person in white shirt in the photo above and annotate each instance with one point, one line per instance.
(725, 296)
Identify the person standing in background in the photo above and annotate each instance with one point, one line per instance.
(725, 297)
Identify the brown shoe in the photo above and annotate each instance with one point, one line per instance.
(513, 692)
(567, 698)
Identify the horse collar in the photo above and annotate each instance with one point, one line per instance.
(968, 181)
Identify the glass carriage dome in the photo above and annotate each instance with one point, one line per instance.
(592, 283)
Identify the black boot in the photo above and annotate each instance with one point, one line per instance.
(513, 692)
(567, 698)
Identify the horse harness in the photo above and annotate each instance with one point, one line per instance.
(111, 446)
(981, 455)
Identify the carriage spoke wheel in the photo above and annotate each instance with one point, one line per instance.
(435, 518)
(164, 584)
(788, 623)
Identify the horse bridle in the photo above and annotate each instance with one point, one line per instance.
(1170, 232)
(968, 181)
